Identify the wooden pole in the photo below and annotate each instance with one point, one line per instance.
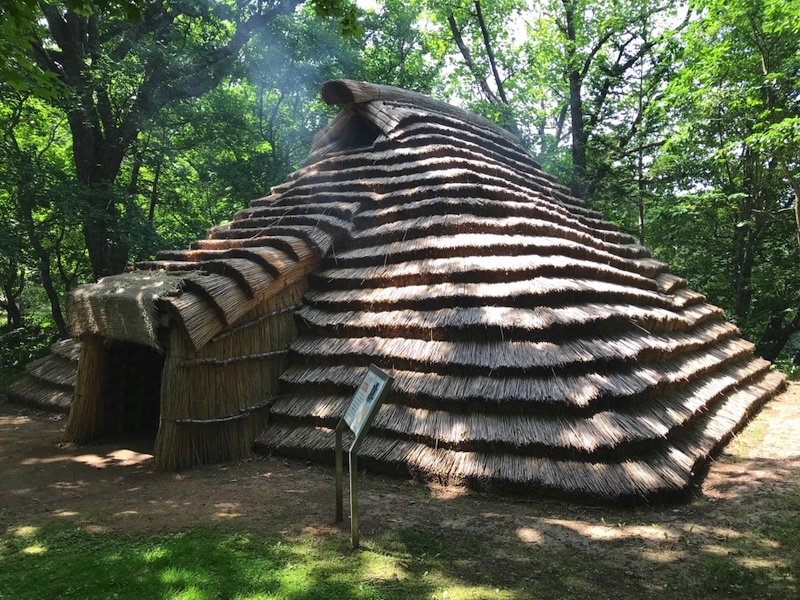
(339, 491)
(354, 535)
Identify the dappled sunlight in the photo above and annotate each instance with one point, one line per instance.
(25, 531)
(594, 531)
(49, 460)
(29, 534)
(116, 458)
(320, 530)
(529, 535)
(227, 510)
(173, 505)
(122, 458)
(65, 513)
(442, 492)
(685, 533)
(70, 486)
(36, 548)
(6, 421)
(663, 555)
(730, 480)
(183, 576)
(154, 554)
(374, 566)
(753, 562)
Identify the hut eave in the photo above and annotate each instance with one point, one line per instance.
(122, 307)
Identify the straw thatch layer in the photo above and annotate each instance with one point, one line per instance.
(49, 383)
(649, 420)
(121, 307)
(479, 244)
(40, 394)
(669, 470)
(505, 322)
(529, 293)
(532, 343)
(475, 269)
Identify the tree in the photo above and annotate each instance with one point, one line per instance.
(734, 148)
(116, 74)
(565, 73)
(397, 50)
(38, 205)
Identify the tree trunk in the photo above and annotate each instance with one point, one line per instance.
(43, 258)
(578, 135)
(98, 159)
(79, 50)
(776, 336)
(11, 306)
(577, 123)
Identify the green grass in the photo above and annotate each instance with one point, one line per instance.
(204, 563)
(57, 562)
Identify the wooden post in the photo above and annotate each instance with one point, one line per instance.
(354, 534)
(85, 420)
(339, 490)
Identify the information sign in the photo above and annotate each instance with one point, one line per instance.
(358, 417)
(365, 402)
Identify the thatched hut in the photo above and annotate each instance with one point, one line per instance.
(533, 344)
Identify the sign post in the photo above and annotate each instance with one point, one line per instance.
(358, 418)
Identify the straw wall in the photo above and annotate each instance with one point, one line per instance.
(85, 417)
(215, 400)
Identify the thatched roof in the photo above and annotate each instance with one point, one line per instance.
(49, 383)
(533, 344)
(210, 287)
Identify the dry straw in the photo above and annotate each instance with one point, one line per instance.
(214, 399)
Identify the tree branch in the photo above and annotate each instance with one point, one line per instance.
(470, 62)
(490, 53)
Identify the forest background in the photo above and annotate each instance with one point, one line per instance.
(131, 126)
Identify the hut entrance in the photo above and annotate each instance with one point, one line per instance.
(131, 394)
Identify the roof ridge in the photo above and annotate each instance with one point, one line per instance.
(347, 91)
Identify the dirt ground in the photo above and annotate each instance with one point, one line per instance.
(113, 486)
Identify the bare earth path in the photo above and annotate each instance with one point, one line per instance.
(753, 487)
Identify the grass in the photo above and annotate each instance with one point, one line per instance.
(205, 563)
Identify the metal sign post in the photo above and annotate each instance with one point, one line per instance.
(358, 418)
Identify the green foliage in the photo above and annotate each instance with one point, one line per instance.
(344, 12)
(20, 346)
(731, 149)
(398, 51)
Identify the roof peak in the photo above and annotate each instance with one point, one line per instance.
(349, 91)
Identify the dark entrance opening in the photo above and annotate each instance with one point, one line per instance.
(132, 389)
